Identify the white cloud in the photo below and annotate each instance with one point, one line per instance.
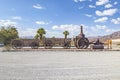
(79, 0)
(92, 6)
(74, 30)
(75, 0)
(55, 27)
(41, 23)
(98, 28)
(69, 27)
(93, 29)
(102, 20)
(88, 15)
(38, 6)
(80, 8)
(116, 21)
(7, 23)
(115, 3)
(27, 32)
(51, 33)
(90, 0)
(101, 2)
(108, 5)
(17, 18)
(108, 12)
(101, 27)
(110, 30)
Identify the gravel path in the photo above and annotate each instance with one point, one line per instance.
(55, 65)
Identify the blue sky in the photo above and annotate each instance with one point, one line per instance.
(98, 17)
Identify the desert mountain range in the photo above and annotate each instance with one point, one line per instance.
(115, 35)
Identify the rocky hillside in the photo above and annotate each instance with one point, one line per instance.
(115, 35)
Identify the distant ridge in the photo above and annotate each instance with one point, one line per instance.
(115, 35)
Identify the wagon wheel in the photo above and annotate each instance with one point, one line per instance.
(17, 44)
(34, 45)
(82, 43)
(86, 41)
(48, 44)
(66, 45)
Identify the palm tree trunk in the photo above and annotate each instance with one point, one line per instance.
(41, 36)
(65, 36)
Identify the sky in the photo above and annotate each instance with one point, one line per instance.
(98, 17)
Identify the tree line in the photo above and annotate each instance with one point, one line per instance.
(7, 34)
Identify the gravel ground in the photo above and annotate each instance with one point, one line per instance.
(56, 65)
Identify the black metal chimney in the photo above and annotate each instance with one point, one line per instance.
(81, 29)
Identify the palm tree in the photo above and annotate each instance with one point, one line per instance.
(66, 33)
(40, 33)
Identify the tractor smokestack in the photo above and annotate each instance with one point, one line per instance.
(81, 29)
(81, 32)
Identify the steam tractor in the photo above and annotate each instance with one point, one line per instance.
(81, 42)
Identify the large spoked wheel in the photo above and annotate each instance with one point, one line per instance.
(17, 44)
(48, 44)
(86, 43)
(82, 43)
(66, 45)
(34, 45)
